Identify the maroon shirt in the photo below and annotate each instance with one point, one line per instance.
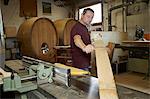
(79, 58)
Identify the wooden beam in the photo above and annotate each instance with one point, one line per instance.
(107, 87)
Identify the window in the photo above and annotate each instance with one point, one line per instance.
(97, 12)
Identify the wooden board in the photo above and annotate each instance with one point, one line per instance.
(28, 8)
(15, 65)
(3, 73)
(63, 47)
(107, 87)
(137, 42)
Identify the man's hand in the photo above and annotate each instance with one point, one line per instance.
(88, 49)
(79, 43)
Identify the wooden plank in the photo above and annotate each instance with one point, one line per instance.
(136, 42)
(63, 47)
(15, 65)
(107, 87)
(28, 8)
(4, 73)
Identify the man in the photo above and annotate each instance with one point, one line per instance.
(80, 41)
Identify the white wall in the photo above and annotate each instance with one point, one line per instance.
(57, 12)
(108, 36)
(141, 19)
(11, 15)
(11, 12)
(114, 37)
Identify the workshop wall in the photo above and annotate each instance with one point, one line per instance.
(116, 15)
(11, 12)
(141, 19)
(137, 14)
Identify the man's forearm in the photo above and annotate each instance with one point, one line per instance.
(78, 42)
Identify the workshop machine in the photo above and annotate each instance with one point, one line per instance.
(37, 72)
(139, 33)
(44, 79)
(46, 72)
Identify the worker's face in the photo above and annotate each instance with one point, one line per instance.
(87, 17)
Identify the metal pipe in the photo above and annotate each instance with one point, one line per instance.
(28, 77)
(114, 8)
(109, 21)
(124, 19)
(124, 5)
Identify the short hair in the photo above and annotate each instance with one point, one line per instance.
(87, 9)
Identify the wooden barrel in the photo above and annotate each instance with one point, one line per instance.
(37, 37)
(63, 28)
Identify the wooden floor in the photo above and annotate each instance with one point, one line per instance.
(133, 81)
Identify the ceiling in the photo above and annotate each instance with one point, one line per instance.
(62, 3)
